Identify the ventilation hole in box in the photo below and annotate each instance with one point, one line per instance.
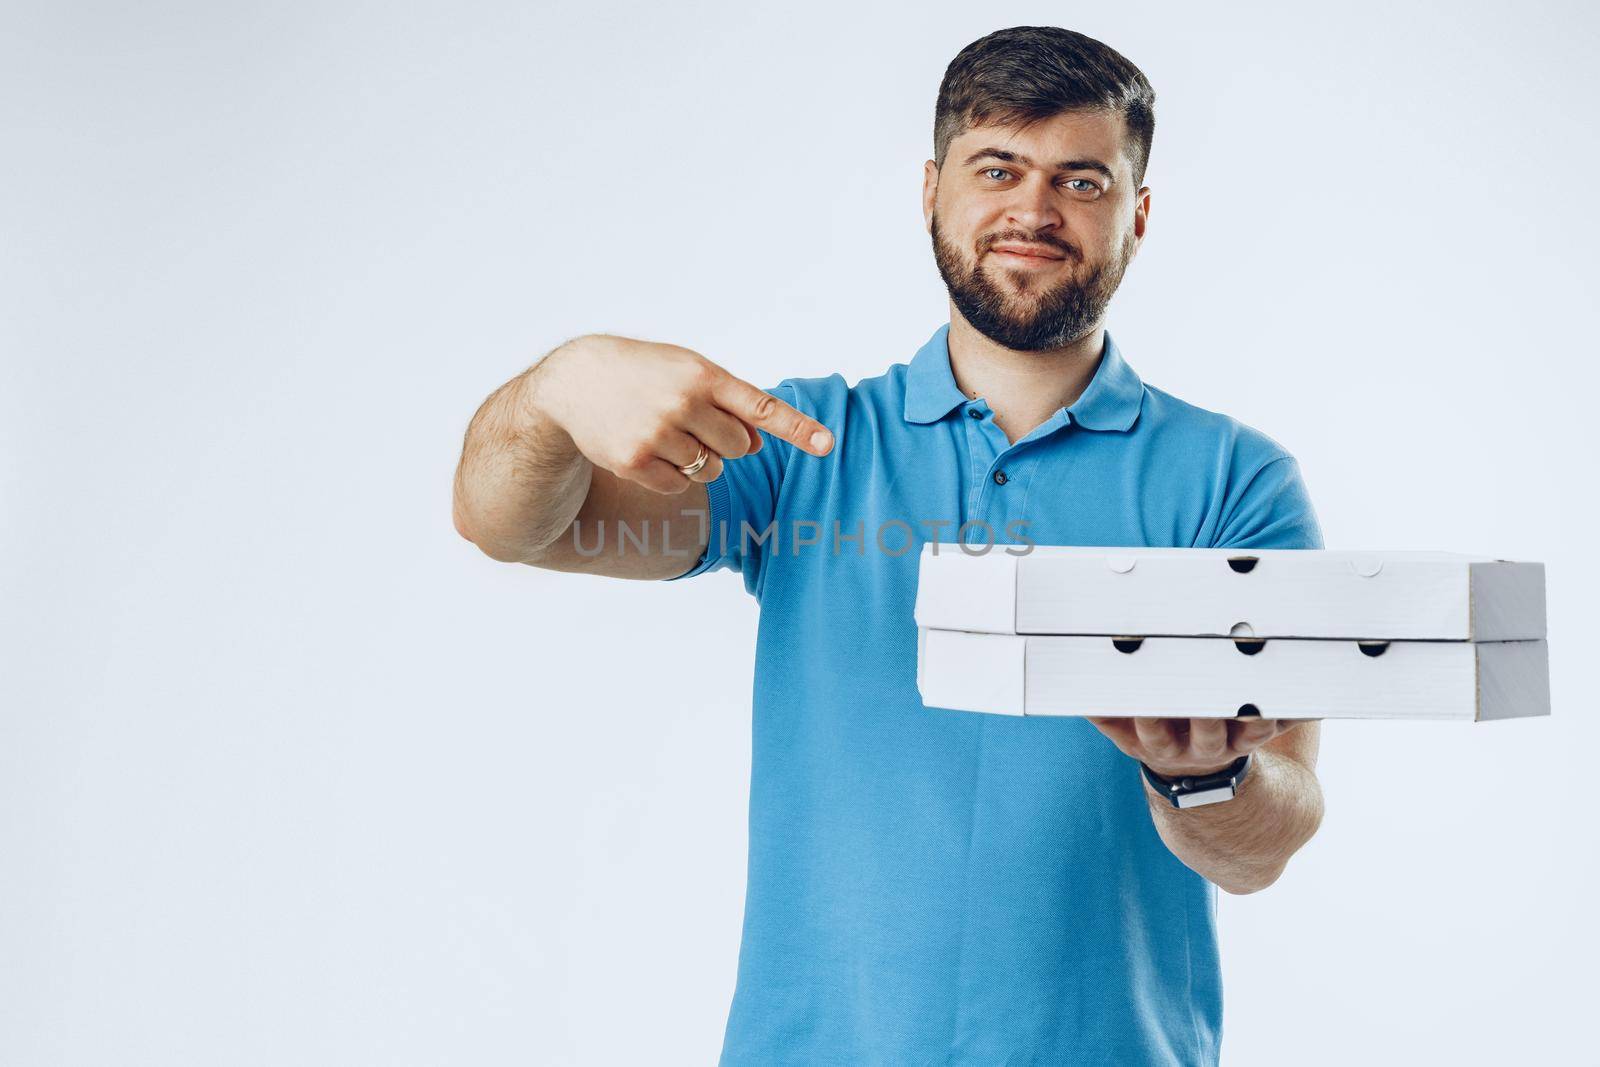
(1250, 647)
(1247, 711)
(1127, 644)
(1373, 648)
(1243, 564)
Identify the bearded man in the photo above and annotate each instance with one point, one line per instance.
(929, 886)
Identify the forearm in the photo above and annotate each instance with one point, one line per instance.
(521, 480)
(1243, 844)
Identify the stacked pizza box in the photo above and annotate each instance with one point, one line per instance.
(1202, 632)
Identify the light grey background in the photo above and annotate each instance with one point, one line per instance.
(290, 773)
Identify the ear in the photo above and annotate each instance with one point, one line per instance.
(1141, 212)
(930, 190)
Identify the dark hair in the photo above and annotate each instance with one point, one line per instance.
(1026, 74)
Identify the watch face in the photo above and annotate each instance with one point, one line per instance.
(1204, 796)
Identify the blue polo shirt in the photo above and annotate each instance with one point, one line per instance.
(929, 886)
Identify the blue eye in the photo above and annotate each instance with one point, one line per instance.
(1003, 174)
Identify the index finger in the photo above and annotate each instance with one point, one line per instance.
(766, 412)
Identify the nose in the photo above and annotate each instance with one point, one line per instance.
(1033, 205)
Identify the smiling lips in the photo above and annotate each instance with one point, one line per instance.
(1026, 254)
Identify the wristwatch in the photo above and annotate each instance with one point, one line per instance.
(1191, 791)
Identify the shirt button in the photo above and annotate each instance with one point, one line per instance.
(975, 413)
(999, 477)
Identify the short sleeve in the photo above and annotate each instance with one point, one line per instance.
(743, 503)
(1272, 510)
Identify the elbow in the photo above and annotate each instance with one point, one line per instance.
(496, 549)
(499, 551)
(485, 544)
(459, 516)
(502, 553)
(1255, 882)
(458, 503)
(1261, 875)
(1301, 819)
(460, 519)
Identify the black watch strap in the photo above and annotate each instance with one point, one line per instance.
(1191, 791)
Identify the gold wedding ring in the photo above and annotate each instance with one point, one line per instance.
(699, 461)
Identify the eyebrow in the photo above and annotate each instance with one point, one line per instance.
(1012, 157)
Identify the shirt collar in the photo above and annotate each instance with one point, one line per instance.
(1110, 402)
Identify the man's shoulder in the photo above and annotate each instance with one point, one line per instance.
(1252, 484)
(832, 393)
(815, 389)
(1191, 425)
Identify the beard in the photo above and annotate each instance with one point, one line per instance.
(1030, 316)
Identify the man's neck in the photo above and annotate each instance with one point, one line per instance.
(1022, 388)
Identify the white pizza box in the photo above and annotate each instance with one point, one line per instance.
(1210, 677)
(1190, 592)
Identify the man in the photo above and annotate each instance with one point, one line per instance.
(926, 885)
